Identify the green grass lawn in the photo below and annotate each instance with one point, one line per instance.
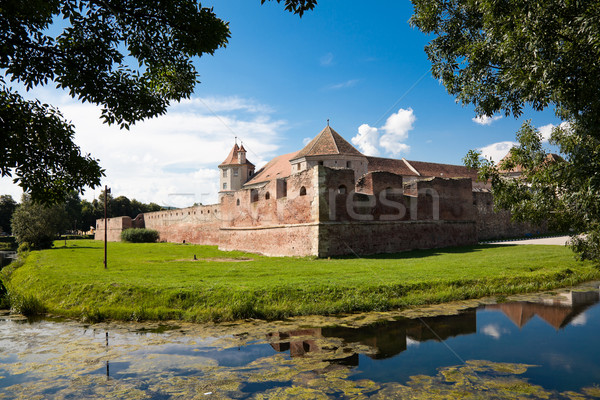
(162, 281)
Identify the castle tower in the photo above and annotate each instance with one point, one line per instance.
(330, 149)
(235, 170)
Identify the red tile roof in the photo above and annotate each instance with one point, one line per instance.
(443, 170)
(233, 157)
(419, 168)
(279, 167)
(394, 166)
(328, 142)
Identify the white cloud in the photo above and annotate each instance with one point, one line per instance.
(367, 140)
(546, 130)
(306, 140)
(395, 132)
(160, 159)
(326, 60)
(497, 151)
(492, 330)
(226, 104)
(485, 120)
(579, 320)
(343, 85)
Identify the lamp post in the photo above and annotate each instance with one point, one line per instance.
(106, 192)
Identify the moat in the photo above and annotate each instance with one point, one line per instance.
(542, 346)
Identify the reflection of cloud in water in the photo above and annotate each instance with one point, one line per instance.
(153, 363)
(492, 330)
(411, 342)
(559, 361)
(579, 320)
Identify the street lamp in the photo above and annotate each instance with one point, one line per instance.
(106, 192)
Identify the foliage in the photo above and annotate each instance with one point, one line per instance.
(130, 57)
(39, 149)
(28, 305)
(7, 207)
(37, 224)
(163, 281)
(501, 56)
(139, 235)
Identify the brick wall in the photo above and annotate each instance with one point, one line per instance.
(283, 240)
(114, 226)
(340, 238)
(498, 224)
(197, 224)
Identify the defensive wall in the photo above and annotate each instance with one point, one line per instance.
(197, 224)
(324, 212)
(492, 224)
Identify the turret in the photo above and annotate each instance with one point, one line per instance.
(235, 170)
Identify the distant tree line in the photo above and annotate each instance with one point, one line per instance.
(74, 214)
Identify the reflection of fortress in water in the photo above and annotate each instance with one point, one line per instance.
(390, 338)
(556, 312)
(386, 339)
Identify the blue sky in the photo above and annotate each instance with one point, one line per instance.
(279, 79)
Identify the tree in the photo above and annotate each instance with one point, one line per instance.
(503, 55)
(37, 224)
(132, 57)
(7, 208)
(73, 211)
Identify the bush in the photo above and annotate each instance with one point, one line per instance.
(24, 247)
(139, 235)
(37, 224)
(28, 305)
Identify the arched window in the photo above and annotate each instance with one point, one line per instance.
(342, 189)
(237, 203)
(253, 195)
(302, 191)
(267, 196)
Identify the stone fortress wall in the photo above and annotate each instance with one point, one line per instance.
(324, 212)
(328, 199)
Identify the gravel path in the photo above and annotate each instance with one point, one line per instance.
(558, 241)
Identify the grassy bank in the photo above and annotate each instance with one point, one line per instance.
(163, 281)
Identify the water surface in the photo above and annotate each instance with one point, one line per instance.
(545, 346)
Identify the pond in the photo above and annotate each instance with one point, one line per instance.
(535, 346)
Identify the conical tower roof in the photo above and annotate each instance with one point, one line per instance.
(328, 142)
(233, 157)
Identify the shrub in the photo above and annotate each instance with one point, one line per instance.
(37, 224)
(139, 235)
(24, 247)
(27, 305)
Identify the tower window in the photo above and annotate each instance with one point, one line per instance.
(224, 173)
(237, 203)
(267, 196)
(348, 164)
(342, 189)
(225, 186)
(302, 191)
(235, 172)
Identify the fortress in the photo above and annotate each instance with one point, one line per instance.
(328, 199)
